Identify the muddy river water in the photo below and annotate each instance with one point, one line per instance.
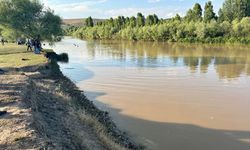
(167, 96)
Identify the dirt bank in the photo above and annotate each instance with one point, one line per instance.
(45, 110)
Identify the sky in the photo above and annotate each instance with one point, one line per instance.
(112, 8)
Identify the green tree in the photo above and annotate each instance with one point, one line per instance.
(50, 25)
(226, 28)
(209, 12)
(127, 21)
(228, 10)
(177, 17)
(111, 22)
(194, 14)
(89, 22)
(150, 20)
(156, 19)
(248, 8)
(197, 12)
(189, 15)
(140, 21)
(29, 18)
(132, 21)
(221, 17)
(242, 8)
(245, 23)
(235, 9)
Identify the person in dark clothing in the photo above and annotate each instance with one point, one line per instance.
(2, 41)
(29, 45)
(37, 46)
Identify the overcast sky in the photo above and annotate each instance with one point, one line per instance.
(112, 8)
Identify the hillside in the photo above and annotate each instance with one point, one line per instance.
(78, 21)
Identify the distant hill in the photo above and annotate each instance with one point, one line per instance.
(78, 22)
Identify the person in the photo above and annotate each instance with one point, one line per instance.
(37, 46)
(29, 45)
(2, 41)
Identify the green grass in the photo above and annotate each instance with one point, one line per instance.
(12, 55)
(12, 49)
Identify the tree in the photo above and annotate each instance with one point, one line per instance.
(194, 14)
(221, 17)
(50, 25)
(228, 10)
(235, 9)
(197, 12)
(177, 17)
(156, 19)
(30, 19)
(209, 12)
(150, 20)
(89, 22)
(245, 23)
(140, 21)
(132, 21)
(127, 21)
(242, 6)
(248, 8)
(241, 28)
(111, 22)
(189, 15)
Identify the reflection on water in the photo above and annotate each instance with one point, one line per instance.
(230, 61)
(170, 96)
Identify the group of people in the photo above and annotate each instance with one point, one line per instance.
(34, 45)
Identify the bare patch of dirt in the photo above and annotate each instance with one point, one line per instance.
(15, 129)
(38, 117)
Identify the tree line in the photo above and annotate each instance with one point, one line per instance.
(232, 24)
(28, 19)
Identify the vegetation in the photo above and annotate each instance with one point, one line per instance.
(12, 55)
(89, 22)
(69, 30)
(231, 25)
(28, 19)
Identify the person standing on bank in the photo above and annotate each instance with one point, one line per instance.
(2, 41)
(29, 45)
(37, 46)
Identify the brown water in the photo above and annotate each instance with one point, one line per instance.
(168, 96)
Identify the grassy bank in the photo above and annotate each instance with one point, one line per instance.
(12, 55)
(45, 110)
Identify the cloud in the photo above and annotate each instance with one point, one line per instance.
(71, 9)
(153, 1)
(162, 12)
(82, 9)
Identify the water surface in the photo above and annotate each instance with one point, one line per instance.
(167, 96)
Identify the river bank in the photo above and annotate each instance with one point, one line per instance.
(45, 110)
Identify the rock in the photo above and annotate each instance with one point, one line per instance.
(3, 113)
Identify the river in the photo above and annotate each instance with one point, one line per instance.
(167, 96)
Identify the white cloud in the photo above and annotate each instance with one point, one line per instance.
(164, 13)
(90, 8)
(153, 1)
(73, 10)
